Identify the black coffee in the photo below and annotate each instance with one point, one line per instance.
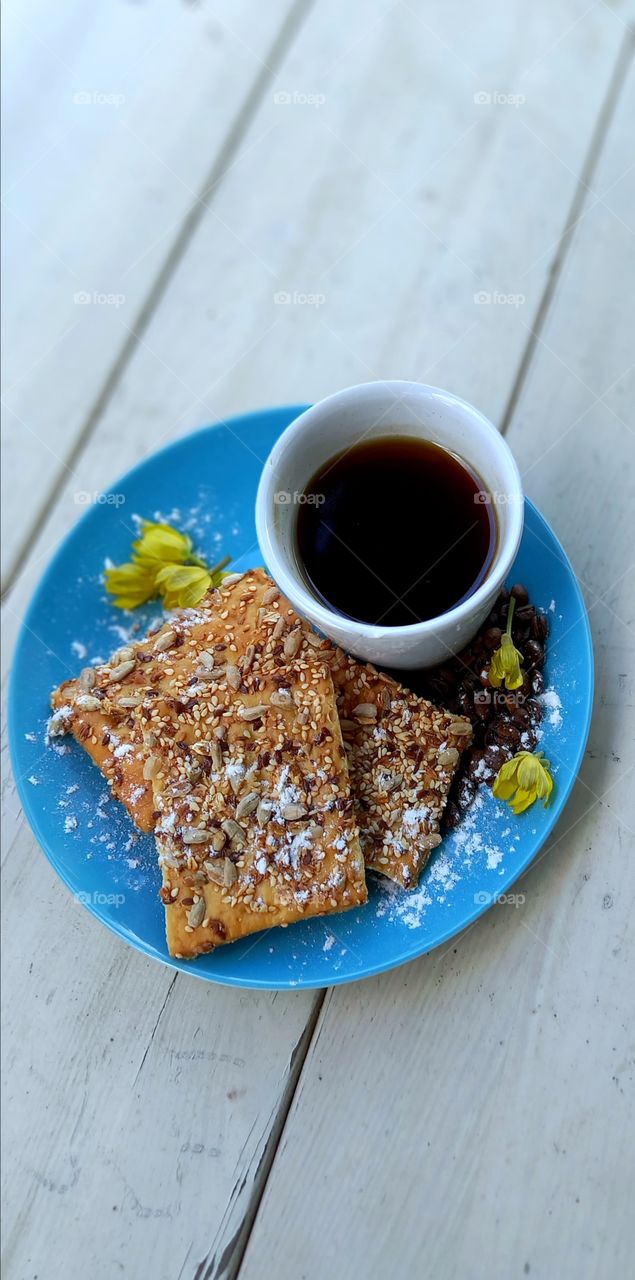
(395, 531)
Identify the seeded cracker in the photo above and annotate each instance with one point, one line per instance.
(98, 706)
(144, 718)
(256, 823)
(402, 756)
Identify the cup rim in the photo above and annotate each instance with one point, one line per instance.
(292, 585)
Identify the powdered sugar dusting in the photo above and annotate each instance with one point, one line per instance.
(553, 707)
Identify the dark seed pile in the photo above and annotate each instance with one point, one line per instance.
(504, 721)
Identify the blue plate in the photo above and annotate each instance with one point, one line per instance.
(206, 483)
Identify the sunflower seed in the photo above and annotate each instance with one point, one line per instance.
(216, 752)
(121, 671)
(125, 654)
(313, 639)
(234, 832)
(270, 595)
(215, 871)
(292, 643)
(264, 812)
(233, 676)
(304, 716)
(449, 756)
(315, 831)
(130, 701)
(151, 767)
(85, 702)
(247, 661)
(365, 711)
(460, 727)
(230, 873)
(207, 659)
(165, 641)
(292, 812)
(279, 629)
(219, 840)
(430, 842)
(196, 914)
(247, 804)
(87, 679)
(252, 713)
(231, 579)
(195, 835)
(282, 698)
(210, 673)
(348, 726)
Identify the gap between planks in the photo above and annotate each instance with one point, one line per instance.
(230, 1265)
(283, 41)
(227, 1265)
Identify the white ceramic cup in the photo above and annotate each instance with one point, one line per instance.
(376, 410)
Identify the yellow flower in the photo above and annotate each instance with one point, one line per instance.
(161, 544)
(182, 585)
(163, 563)
(505, 665)
(130, 584)
(523, 780)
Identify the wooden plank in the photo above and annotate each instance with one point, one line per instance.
(398, 301)
(118, 120)
(398, 272)
(486, 1091)
(139, 1104)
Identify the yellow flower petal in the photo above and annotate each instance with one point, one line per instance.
(182, 585)
(528, 772)
(522, 800)
(130, 584)
(523, 780)
(505, 665)
(162, 543)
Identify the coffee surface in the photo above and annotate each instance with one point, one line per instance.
(395, 531)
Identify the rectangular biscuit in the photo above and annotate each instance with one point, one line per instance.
(402, 755)
(256, 824)
(170, 721)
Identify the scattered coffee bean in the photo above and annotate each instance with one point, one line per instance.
(534, 654)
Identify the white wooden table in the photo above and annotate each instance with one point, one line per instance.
(455, 183)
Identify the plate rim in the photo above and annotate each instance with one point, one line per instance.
(190, 968)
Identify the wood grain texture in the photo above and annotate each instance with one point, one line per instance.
(118, 120)
(396, 200)
(394, 246)
(139, 1104)
(488, 1088)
